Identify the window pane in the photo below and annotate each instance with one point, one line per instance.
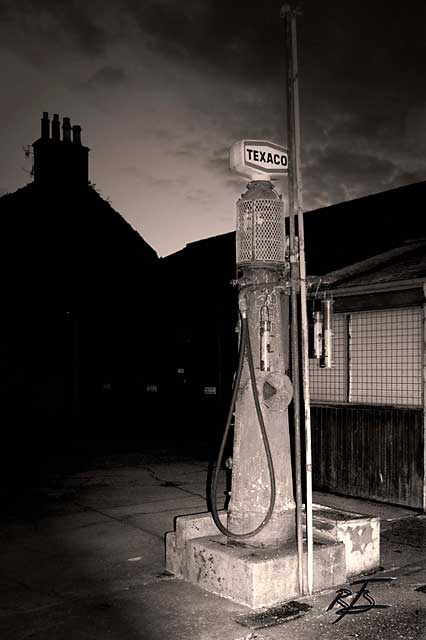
(386, 357)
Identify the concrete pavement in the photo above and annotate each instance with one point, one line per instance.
(83, 557)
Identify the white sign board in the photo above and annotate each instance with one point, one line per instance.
(258, 159)
(209, 391)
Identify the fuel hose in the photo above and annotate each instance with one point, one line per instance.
(244, 347)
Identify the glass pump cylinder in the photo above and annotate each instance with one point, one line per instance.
(327, 313)
(317, 316)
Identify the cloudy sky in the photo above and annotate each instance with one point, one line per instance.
(163, 88)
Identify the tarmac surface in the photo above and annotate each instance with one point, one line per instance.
(82, 557)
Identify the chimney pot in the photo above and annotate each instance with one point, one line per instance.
(66, 130)
(56, 128)
(76, 134)
(45, 126)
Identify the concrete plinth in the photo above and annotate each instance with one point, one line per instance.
(248, 575)
(359, 533)
(256, 577)
(345, 544)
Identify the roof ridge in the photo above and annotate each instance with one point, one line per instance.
(369, 264)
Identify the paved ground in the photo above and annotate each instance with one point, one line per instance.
(82, 557)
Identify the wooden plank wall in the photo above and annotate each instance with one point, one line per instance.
(369, 452)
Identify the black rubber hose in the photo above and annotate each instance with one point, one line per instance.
(244, 344)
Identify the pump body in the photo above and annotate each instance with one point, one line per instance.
(262, 276)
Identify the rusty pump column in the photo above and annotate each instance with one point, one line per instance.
(262, 277)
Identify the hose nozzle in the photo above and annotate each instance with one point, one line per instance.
(242, 303)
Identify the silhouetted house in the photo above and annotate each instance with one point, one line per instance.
(197, 320)
(76, 282)
(368, 413)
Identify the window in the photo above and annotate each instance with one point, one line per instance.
(377, 359)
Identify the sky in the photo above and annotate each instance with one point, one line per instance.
(162, 89)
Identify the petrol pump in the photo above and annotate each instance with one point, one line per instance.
(261, 510)
(249, 552)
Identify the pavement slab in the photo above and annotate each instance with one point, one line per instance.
(83, 558)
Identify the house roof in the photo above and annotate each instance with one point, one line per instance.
(407, 262)
(356, 230)
(338, 235)
(53, 241)
(400, 271)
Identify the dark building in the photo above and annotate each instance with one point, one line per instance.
(76, 283)
(197, 319)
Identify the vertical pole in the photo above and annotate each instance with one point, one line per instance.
(304, 315)
(424, 402)
(298, 197)
(294, 293)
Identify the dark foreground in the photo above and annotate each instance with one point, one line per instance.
(82, 557)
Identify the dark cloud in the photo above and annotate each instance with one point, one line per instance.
(165, 182)
(38, 27)
(84, 29)
(340, 44)
(185, 153)
(219, 161)
(207, 34)
(415, 127)
(334, 175)
(188, 150)
(216, 159)
(212, 34)
(350, 151)
(161, 133)
(403, 177)
(199, 195)
(106, 77)
(374, 49)
(217, 76)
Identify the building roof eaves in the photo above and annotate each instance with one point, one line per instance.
(379, 287)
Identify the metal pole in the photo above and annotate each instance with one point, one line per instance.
(304, 314)
(285, 13)
(298, 193)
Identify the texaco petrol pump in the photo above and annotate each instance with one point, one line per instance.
(262, 509)
(257, 564)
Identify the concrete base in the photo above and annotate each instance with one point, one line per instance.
(345, 544)
(251, 576)
(359, 533)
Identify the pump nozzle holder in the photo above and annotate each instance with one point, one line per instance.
(242, 304)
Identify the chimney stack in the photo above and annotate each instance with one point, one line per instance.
(60, 163)
(66, 130)
(56, 128)
(45, 126)
(76, 134)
